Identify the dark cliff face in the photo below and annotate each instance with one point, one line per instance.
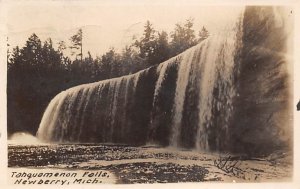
(263, 116)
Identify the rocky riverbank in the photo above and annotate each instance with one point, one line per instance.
(152, 164)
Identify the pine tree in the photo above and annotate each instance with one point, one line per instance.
(146, 45)
(50, 56)
(107, 64)
(183, 37)
(189, 35)
(162, 49)
(203, 34)
(76, 41)
(14, 58)
(32, 51)
(64, 59)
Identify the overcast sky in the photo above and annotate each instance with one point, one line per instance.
(105, 24)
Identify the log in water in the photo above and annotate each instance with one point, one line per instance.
(229, 92)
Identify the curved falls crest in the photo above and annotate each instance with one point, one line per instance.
(193, 100)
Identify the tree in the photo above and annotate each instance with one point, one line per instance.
(146, 44)
(51, 58)
(14, 58)
(64, 59)
(131, 61)
(203, 34)
(183, 37)
(32, 51)
(27, 81)
(76, 41)
(87, 67)
(62, 46)
(110, 64)
(162, 48)
(189, 32)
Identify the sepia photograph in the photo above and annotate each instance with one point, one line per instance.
(140, 92)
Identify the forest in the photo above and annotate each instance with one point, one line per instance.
(38, 71)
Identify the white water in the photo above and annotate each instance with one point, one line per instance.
(22, 138)
(107, 105)
(218, 72)
(181, 84)
(54, 116)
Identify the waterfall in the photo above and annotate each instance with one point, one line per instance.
(181, 84)
(204, 98)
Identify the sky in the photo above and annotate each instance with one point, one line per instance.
(105, 24)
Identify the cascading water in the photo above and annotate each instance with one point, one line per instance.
(193, 100)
